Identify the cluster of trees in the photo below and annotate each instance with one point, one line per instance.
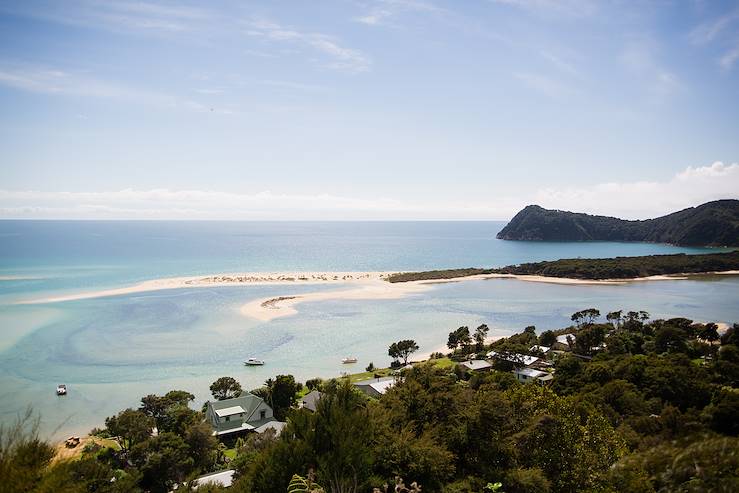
(652, 407)
(461, 339)
(596, 268)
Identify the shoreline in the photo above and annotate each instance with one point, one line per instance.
(361, 286)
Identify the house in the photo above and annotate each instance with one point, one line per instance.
(549, 353)
(562, 344)
(526, 375)
(477, 365)
(246, 412)
(310, 400)
(375, 387)
(515, 358)
(220, 478)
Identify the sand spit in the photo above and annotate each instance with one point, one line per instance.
(243, 279)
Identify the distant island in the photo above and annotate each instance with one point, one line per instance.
(595, 269)
(711, 224)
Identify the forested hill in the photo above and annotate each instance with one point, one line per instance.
(711, 224)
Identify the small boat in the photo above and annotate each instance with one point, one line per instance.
(349, 359)
(61, 389)
(254, 362)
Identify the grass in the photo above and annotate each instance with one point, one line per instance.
(443, 363)
(230, 453)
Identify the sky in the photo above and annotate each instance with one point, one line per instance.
(366, 109)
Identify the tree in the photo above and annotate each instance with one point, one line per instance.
(480, 334)
(585, 317)
(370, 367)
(130, 427)
(225, 388)
(282, 394)
(402, 349)
(164, 461)
(453, 341)
(547, 338)
(314, 383)
(615, 318)
(202, 444)
(709, 333)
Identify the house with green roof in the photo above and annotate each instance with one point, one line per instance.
(244, 413)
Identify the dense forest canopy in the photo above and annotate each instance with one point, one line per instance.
(635, 406)
(596, 268)
(711, 224)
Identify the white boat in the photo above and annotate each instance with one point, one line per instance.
(349, 359)
(61, 389)
(254, 362)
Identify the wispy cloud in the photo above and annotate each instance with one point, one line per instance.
(722, 31)
(640, 56)
(568, 8)
(116, 15)
(52, 81)
(338, 56)
(543, 84)
(382, 12)
(689, 187)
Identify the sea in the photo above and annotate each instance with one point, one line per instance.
(111, 351)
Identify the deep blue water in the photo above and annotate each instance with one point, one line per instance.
(111, 351)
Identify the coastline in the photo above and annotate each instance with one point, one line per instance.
(363, 286)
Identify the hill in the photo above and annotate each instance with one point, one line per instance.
(711, 224)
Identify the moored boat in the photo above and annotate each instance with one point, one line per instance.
(349, 359)
(254, 362)
(61, 389)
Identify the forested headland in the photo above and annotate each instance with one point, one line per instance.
(635, 405)
(711, 224)
(596, 268)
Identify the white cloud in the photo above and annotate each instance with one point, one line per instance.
(382, 12)
(644, 199)
(340, 57)
(567, 8)
(57, 82)
(690, 187)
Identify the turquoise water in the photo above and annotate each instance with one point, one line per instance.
(111, 351)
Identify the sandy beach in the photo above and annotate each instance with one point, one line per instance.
(360, 286)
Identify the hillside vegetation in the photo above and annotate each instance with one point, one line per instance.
(596, 268)
(711, 224)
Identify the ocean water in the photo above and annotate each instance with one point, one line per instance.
(111, 351)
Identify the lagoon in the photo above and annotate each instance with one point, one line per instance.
(111, 351)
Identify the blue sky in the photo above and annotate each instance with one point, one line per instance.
(395, 109)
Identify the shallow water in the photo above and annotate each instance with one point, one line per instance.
(111, 351)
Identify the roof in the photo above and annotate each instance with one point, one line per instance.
(275, 425)
(543, 349)
(246, 401)
(310, 400)
(476, 364)
(524, 359)
(229, 411)
(374, 380)
(563, 338)
(382, 387)
(531, 373)
(232, 427)
(220, 478)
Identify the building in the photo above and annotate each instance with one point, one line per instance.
(527, 375)
(562, 343)
(375, 387)
(244, 413)
(220, 478)
(515, 358)
(477, 365)
(310, 400)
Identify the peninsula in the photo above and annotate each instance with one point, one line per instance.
(711, 224)
(595, 269)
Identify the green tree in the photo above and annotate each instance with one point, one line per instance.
(282, 394)
(481, 333)
(130, 427)
(225, 388)
(585, 317)
(163, 460)
(402, 349)
(615, 318)
(547, 338)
